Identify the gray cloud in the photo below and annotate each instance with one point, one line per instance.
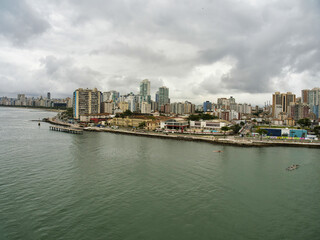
(261, 46)
(63, 74)
(19, 22)
(264, 39)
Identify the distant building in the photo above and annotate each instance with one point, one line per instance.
(163, 96)
(110, 96)
(298, 111)
(208, 124)
(232, 100)
(145, 91)
(314, 101)
(124, 106)
(86, 101)
(49, 95)
(189, 108)
(305, 96)
(128, 122)
(223, 103)
(281, 102)
(145, 107)
(176, 124)
(207, 106)
(108, 107)
(285, 132)
(154, 106)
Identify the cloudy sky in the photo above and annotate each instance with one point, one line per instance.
(200, 49)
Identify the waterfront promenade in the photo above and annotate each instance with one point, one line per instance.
(227, 140)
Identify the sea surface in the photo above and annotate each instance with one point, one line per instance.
(56, 185)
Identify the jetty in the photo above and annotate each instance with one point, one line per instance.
(66, 129)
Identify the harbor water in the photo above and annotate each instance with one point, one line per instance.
(55, 185)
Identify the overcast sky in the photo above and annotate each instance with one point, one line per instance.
(200, 49)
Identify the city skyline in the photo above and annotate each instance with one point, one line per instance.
(300, 94)
(199, 50)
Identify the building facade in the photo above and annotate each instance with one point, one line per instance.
(86, 101)
(145, 91)
(163, 95)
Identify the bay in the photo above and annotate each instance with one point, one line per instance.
(56, 185)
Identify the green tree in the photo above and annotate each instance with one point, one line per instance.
(304, 122)
(242, 124)
(236, 128)
(224, 129)
(67, 114)
(316, 130)
(206, 117)
(194, 117)
(142, 124)
(127, 113)
(261, 132)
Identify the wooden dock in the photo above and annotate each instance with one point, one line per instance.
(66, 129)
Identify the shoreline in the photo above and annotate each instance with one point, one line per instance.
(36, 108)
(194, 138)
(212, 140)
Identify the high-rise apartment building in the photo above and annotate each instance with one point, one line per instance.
(163, 96)
(232, 100)
(207, 106)
(224, 103)
(110, 96)
(145, 107)
(108, 107)
(123, 106)
(86, 101)
(298, 111)
(305, 95)
(145, 91)
(287, 98)
(314, 101)
(189, 108)
(281, 102)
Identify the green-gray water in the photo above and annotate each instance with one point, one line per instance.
(56, 185)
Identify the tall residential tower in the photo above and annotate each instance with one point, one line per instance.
(145, 91)
(86, 101)
(163, 96)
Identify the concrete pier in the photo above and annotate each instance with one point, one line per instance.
(66, 129)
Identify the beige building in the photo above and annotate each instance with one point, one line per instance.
(281, 102)
(128, 122)
(108, 107)
(86, 101)
(124, 106)
(145, 107)
(153, 125)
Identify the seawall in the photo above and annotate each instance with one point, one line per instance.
(207, 139)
